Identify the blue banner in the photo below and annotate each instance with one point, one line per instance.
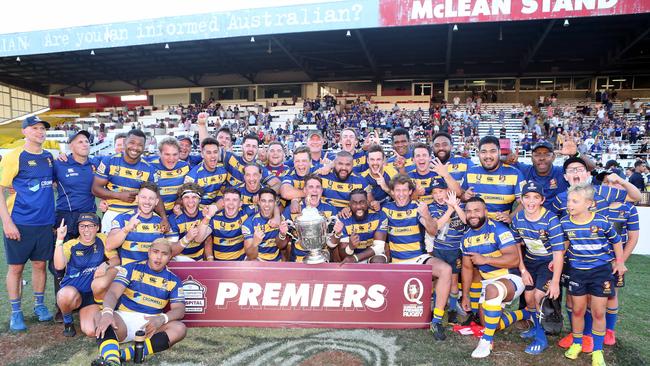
(251, 22)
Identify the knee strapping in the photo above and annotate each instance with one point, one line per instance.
(502, 292)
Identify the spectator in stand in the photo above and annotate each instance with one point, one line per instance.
(640, 167)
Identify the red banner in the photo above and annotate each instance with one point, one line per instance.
(413, 12)
(259, 294)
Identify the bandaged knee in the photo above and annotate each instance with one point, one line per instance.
(502, 292)
(378, 246)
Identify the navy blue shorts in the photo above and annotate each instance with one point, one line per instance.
(620, 281)
(540, 273)
(70, 218)
(450, 256)
(87, 298)
(36, 244)
(597, 281)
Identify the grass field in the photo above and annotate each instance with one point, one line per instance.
(44, 344)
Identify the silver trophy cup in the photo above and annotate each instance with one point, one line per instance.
(312, 231)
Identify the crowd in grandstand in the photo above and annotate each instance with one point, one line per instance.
(503, 231)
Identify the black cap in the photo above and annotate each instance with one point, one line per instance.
(185, 138)
(601, 174)
(545, 144)
(82, 133)
(89, 216)
(611, 163)
(439, 183)
(574, 159)
(533, 187)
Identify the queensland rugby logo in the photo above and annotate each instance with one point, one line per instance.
(413, 292)
(194, 296)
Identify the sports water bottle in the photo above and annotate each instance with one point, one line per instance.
(138, 354)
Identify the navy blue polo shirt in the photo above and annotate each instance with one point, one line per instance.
(553, 183)
(74, 185)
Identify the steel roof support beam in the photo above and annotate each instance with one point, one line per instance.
(366, 51)
(301, 65)
(528, 57)
(450, 38)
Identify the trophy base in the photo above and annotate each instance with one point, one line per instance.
(317, 257)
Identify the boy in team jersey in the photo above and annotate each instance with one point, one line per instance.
(450, 218)
(595, 255)
(539, 230)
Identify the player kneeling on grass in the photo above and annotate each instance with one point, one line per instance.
(362, 235)
(82, 259)
(543, 259)
(590, 239)
(490, 247)
(142, 290)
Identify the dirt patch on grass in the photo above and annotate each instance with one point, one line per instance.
(331, 358)
(38, 338)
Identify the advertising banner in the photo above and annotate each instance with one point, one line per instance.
(262, 294)
(415, 12)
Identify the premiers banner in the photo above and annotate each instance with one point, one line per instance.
(259, 294)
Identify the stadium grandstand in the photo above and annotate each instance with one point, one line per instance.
(563, 72)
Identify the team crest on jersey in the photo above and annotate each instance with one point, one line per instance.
(593, 229)
(552, 184)
(607, 288)
(621, 214)
(31, 163)
(454, 167)
(490, 178)
(139, 174)
(543, 234)
(502, 178)
(478, 177)
(408, 212)
(179, 171)
(49, 162)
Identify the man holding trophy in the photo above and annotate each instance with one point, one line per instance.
(313, 189)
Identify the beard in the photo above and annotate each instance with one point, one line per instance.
(338, 175)
(443, 155)
(480, 223)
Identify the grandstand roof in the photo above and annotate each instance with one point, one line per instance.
(610, 45)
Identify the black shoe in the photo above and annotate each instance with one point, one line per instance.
(438, 331)
(101, 362)
(98, 361)
(472, 318)
(58, 317)
(452, 317)
(69, 330)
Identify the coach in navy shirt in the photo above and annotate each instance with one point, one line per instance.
(74, 178)
(542, 171)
